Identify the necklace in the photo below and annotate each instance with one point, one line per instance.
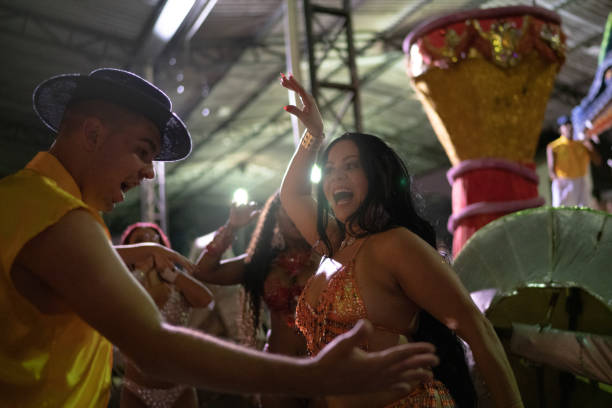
(348, 241)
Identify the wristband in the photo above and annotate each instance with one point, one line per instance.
(310, 142)
(222, 240)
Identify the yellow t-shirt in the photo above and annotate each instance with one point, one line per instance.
(45, 360)
(571, 158)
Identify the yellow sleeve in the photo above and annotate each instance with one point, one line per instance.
(30, 204)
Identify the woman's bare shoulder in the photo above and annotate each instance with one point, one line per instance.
(395, 238)
(396, 245)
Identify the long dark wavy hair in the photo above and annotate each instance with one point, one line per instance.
(389, 204)
(260, 254)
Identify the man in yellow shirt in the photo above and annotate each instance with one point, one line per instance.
(568, 165)
(64, 290)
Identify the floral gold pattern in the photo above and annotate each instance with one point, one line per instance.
(504, 42)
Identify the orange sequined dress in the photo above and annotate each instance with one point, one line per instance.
(339, 307)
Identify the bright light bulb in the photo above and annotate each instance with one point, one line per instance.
(315, 174)
(204, 240)
(241, 197)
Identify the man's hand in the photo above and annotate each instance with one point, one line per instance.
(348, 369)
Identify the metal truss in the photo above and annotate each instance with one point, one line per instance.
(92, 44)
(388, 36)
(339, 41)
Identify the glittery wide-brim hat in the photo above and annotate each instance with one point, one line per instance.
(119, 87)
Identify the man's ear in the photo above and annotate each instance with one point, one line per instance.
(93, 131)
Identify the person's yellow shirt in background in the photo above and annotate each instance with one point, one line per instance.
(571, 158)
(45, 360)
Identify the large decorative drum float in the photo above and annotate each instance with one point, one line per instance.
(542, 277)
(484, 77)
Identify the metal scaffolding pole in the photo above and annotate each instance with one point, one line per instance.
(153, 192)
(293, 54)
(319, 44)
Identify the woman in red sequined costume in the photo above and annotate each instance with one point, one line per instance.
(174, 293)
(275, 268)
(381, 265)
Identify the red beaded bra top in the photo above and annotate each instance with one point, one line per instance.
(283, 286)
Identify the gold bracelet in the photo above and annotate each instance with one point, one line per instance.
(310, 142)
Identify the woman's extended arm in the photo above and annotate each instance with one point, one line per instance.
(196, 293)
(98, 287)
(435, 287)
(209, 267)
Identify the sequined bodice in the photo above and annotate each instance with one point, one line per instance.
(176, 310)
(337, 310)
(285, 282)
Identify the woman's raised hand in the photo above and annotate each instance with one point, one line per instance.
(309, 115)
(243, 214)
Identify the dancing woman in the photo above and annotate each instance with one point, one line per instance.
(274, 269)
(381, 264)
(174, 293)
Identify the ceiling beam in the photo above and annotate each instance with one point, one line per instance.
(194, 188)
(238, 52)
(188, 192)
(251, 98)
(81, 40)
(244, 104)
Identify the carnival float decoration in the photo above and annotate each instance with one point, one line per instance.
(484, 78)
(594, 114)
(542, 275)
(543, 278)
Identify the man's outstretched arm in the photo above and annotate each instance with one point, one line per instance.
(75, 259)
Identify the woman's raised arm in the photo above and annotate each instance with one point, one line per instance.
(296, 188)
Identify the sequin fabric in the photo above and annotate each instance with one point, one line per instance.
(432, 394)
(176, 310)
(503, 41)
(282, 290)
(337, 310)
(155, 397)
(480, 110)
(484, 83)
